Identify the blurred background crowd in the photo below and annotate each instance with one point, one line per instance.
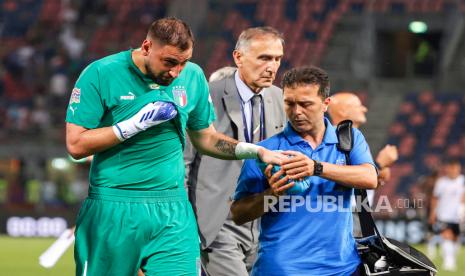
(404, 59)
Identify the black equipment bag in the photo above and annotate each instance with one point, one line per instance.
(381, 255)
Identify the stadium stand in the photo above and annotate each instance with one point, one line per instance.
(428, 128)
(46, 43)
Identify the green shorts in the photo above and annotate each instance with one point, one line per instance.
(119, 231)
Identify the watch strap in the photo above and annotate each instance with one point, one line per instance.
(317, 168)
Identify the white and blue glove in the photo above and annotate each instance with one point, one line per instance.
(150, 115)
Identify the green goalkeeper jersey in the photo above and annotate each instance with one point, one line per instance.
(113, 89)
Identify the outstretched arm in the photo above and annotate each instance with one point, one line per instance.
(357, 176)
(210, 142)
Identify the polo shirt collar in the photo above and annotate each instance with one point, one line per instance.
(244, 91)
(330, 136)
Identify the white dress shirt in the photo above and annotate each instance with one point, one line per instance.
(246, 95)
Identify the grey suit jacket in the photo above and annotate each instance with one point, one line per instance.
(212, 182)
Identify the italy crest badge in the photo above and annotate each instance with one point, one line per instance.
(179, 96)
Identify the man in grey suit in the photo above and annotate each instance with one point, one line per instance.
(229, 249)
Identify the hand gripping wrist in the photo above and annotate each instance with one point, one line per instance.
(246, 151)
(150, 115)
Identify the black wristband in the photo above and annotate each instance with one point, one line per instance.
(317, 168)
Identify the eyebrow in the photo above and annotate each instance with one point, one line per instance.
(269, 56)
(300, 102)
(175, 61)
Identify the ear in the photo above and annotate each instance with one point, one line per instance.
(237, 56)
(146, 46)
(326, 102)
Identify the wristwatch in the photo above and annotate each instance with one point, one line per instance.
(317, 168)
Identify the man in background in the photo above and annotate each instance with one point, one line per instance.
(249, 108)
(446, 209)
(348, 106)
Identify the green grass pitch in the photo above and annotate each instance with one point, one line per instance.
(20, 257)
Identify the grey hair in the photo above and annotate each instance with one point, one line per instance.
(251, 33)
(222, 73)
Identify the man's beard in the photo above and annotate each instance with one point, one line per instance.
(160, 78)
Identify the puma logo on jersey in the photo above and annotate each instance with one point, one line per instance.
(73, 109)
(130, 96)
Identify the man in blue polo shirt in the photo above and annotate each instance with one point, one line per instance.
(306, 232)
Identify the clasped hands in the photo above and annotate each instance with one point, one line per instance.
(293, 166)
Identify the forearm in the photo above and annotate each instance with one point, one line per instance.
(213, 143)
(208, 141)
(387, 156)
(85, 142)
(249, 208)
(220, 146)
(358, 176)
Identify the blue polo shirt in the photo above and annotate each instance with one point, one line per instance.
(312, 234)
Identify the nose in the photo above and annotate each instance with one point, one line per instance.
(176, 70)
(297, 110)
(273, 66)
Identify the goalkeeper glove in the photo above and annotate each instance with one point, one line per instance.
(150, 115)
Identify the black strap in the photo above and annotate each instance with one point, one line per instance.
(345, 138)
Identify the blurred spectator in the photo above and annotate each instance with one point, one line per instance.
(49, 192)
(73, 44)
(40, 116)
(445, 204)
(423, 191)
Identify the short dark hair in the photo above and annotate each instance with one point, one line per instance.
(450, 161)
(249, 34)
(307, 75)
(172, 31)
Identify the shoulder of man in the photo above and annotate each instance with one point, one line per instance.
(273, 142)
(275, 89)
(439, 182)
(218, 84)
(357, 134)
(218, 87)
(110, 61)
(192, 66)
(274, 92)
